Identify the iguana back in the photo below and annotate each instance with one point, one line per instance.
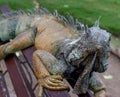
(50, 30)
(51, 33)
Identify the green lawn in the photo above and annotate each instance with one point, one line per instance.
(17, 4)
(88, 11)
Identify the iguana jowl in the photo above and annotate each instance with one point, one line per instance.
(60, 48)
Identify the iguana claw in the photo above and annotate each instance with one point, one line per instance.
(53, 82)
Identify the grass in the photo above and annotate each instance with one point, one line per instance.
(17, 4)
(88, 11)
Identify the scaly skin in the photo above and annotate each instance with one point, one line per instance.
(51, 35)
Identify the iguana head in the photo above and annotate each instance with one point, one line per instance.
(94, 40)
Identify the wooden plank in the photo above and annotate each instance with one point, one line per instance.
(3, 87)
(56, 93)
(21, 87)
(28, 55)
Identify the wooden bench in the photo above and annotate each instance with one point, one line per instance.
(21, 72)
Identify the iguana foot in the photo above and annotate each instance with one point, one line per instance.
(101, 93)
(53, 82)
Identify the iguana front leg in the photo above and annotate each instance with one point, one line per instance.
(48, 71)
(21, 41)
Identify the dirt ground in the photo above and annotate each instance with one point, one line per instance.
(111, 77)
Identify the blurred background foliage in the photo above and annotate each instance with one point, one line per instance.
(17, 4)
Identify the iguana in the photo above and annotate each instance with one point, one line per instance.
(62, 46)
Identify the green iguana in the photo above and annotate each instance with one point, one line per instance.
(62, 46)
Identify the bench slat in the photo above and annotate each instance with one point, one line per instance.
(20, 86)
(56, 93)
(3, 87)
